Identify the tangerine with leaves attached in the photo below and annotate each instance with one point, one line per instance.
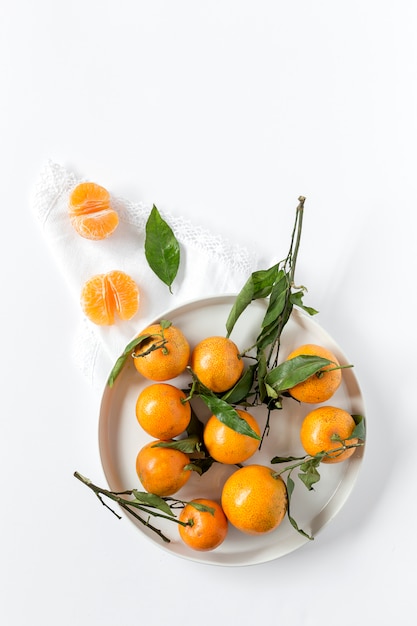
(163, 353)
(206, 528)
(217, 363)
(162, 471)
(254, 499)
(228, 446)
(320, 386)
(328, 428)
(163, 410)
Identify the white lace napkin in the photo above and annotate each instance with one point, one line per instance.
(210, 265)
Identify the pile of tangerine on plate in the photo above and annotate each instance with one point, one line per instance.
(254, 498)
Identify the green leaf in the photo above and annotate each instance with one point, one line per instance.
(310, 476)
(290, 489)
(286, 459)
(277, 299)
(149, 499)
(228, 415)
(262, 373)
(270, 392)
(201, 465)
(202, 507)
(294, 371)
(162, 249)
(296, 299)
(195, 427)
(118, 366)
(258, 285)
(270, 334)
(359, 432)
(189, 445)
(242, 388)
(298, 529)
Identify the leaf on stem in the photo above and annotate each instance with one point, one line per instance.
(149, 499)
(290, 489)
(201, 465)
(242, 388)
(359, 432)
(258, 285)
(162, 249)
(202, 507)
(189, 445)
(287, 459)
(309, 474)
(294, 371)
(296, 299)
(117, 368)
(228, 415)
(277, 299)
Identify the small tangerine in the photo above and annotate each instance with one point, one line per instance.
(217, 363)
(205, 530)
(162, 471)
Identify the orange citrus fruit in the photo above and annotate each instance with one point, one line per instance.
(163, 411)
(217, 363)
(318, 428)
(205, 530)
(90, 211)
(254, 499)
(322, 385)
(163, 355)
(105, 295)
(226, 445)
(162, 471)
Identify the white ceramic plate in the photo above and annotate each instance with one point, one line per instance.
(121, 437)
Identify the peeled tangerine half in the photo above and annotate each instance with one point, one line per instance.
(90, 212)
(106, 295)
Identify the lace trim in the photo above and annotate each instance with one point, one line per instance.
(55, 181)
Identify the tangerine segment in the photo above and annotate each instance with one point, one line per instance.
(225, 445)
(254, 499)
(163, 355)
(322, 385)
(205, 530)
(162, 471)
(320, 427)
(163, 411)
(90, 212)
(217, 363)
(105, 295)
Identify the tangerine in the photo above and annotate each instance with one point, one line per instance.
(90, 211)
(205, 530)
(217, 363)
(226, 445)
(319, 429)
(162, 471)
(163, 411)
(105, 295)
(163, 354)
(323, 384)
(254, 499)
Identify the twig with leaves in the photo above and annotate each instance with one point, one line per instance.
(133, 500)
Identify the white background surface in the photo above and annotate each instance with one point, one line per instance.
(224, 112)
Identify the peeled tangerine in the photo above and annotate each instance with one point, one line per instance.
(90, 212)
(105, 295)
